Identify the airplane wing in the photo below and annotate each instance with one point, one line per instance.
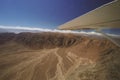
(106, 16)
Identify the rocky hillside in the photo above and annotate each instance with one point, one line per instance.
(51, 40)
(58, 56)
(6, 37)
(41, 40)
(47, 40)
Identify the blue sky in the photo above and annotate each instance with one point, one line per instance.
(44, 13)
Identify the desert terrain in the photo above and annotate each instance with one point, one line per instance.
(58, 56)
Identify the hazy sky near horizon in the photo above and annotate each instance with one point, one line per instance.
(44, 13)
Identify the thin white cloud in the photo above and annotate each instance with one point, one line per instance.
(23, 28)
(33, 29)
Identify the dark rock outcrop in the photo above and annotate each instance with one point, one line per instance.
(41, 40)
(6, 37)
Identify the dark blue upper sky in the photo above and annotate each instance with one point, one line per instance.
(44, 13)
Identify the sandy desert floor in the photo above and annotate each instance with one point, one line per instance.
(18, 63)
(85, 61)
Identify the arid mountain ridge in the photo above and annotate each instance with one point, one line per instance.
(51, 39)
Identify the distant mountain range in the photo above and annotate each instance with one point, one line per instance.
(3, 30)
(16, 30)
